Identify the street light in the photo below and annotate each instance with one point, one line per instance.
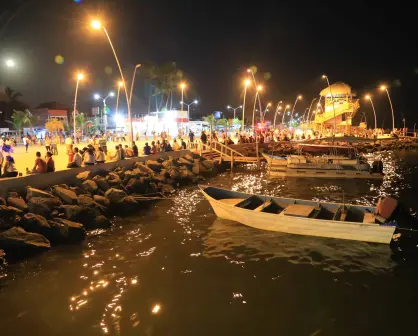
(278, 108)
(233, 108)
(259, 89)
(182, 87)
(384, 88)
(307, 118)
(333, 106)
(369, 98)
(293, 109)
(265, 111)
(249, 70)
(132, 84)
(188, 106)
(97, 97)
(80, 77)
(96, 24)
(284, 112)
(10, 63)
(120, 84)
(247, 83)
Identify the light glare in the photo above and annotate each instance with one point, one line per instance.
(96, 24)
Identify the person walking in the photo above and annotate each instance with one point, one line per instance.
(26, 142)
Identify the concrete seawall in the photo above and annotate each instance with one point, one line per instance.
(68, 176)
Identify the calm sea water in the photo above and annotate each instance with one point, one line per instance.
(175, 269)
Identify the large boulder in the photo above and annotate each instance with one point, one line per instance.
(154, 165)
(174, 173)
(199, 168)
(66, 231)
(101, 183)
(2, 201)
(33, 192)
(76, 213)
(43, 206)
(138, 185)
(113, 179)
(101, 200)
(169, 163)
(185, 161)
(18, 203)
(66, 195)
(167, 189)
(101, 222)
(90, 186)
(127, 204)
(2, 258)
(115, 195)
(16, 239)
(86, 201)
(36, 224)
(133, 173)
(9, 216)
(208, 164)
(143, 168)
(85, 175)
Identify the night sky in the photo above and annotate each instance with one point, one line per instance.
(359, 43)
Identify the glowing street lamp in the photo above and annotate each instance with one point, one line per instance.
(284, 112)
(182, 87)
(369, 98)
(96, 24)
(188, 107)
(259, 89)
(249, 70)
(80, 77)
(265, 111)
(309, 111)
(293, 109)
(10, 63)
(278, 108)
(133, 81)
(333, 106)
(97, 97)
(247, 83)
(233, 108)
(384, 88)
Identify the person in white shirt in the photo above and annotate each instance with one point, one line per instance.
(77, 159)
(26, 142)
(100, 156)
(89, 157)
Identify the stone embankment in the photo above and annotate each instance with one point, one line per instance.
(38, 219)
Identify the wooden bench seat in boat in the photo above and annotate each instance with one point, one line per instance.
(298, 210)
(231, 201)
(369, 218)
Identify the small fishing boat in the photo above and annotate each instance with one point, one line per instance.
(322, 166)
(303, 217)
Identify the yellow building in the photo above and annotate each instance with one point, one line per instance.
(336, 100)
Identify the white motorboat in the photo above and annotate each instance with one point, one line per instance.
(303, 217)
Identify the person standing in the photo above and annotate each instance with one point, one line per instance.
(191, 139)
(68, 142)
(26, 142)
(47, 143)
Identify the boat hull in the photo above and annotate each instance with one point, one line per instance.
(324, 173)
(372, 233)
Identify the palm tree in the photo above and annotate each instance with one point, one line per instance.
(54, 125)
(9, 101)
(19, 120)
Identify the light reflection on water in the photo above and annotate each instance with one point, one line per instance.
(176, 269)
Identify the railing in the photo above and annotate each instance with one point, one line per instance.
(220, 148)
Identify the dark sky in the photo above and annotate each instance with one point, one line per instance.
(360, 43)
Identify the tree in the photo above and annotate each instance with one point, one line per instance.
(10, 101)
(211, 120)
(20, 119)
(80, 121)
(54, 125)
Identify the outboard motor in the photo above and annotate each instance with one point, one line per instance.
(377, 166)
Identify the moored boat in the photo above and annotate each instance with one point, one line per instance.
(303, 217)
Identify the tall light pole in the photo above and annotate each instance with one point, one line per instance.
(310, 107)
(233, 108)
(246, 84)
(369, 98)
(98, 25)
(333, 105)
(278, 108)
(255, 85)
(188, 107)
(97, 96)
(265, 111)
(133, 82)
(80, 77)
(384, 88)
(293, 109)
(120, 84)
(259, 89)
(284, 113)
